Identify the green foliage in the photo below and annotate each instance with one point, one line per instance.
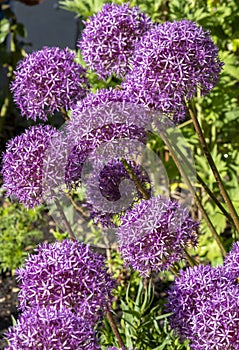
(144, 324)
(19, 234)
(11, 51)
(83, 8)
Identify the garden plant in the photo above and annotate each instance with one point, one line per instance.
(141, 180)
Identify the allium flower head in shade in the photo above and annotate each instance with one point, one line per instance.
(66, 274)
(46, 81)
(154, 233)
(114, 185)
(108, 122)
(23, 164)
(109, 38)
(170, 63)
(204, 306)
(106, 116)
(51, 328)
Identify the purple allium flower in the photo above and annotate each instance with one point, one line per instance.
(51, 328)
(108, 122)
(114, 185)
(231, 263)
(23, 164)
(66, 274)
(205, 309)
(109, 38)
(189, 293)
(106, 116)
(154, 233)
(170, 63)
(48, 80)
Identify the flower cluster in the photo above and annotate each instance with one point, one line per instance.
(154, 233)
(51, 328)
(22, 168)
(48, 80)
(66, 274)
(204, 303)
(109, 38)
(170, 62)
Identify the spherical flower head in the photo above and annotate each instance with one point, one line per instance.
(189, 293)
(51, 328)
(204, 304)
(46, 81)
(22, 168)
(106, 116)
(66, 274)
(113, 184)
(231, 263)
(154, 233)
(170, 63)
(109, 38)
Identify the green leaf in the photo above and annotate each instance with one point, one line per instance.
(4, 29)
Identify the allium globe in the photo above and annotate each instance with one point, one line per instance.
(154, 234)
(114, 185)
(102, 129)
(170, 63)
(106, 116)
(51, 328)
(22, 167)
(48, 80)
(204, 306)
(66, 274)
(109, 38)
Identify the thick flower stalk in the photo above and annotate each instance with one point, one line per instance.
(170, 63)
(22, 168)
(154, 234)
(204, 303)
(46, 81)
(51, 328)
(109, 38)
(66, 274)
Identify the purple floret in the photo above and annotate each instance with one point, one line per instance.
(109, 38)
(22, 168)
(66, 274)
(231, 263)
(170, 63)
(46, 81)
(154, 233)
(51, 328)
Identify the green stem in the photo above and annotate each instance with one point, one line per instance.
(206, 188)
(196, 198)
(192, 262)
(213, 167)
(114, 328)
(65, 221)
(134, 178)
